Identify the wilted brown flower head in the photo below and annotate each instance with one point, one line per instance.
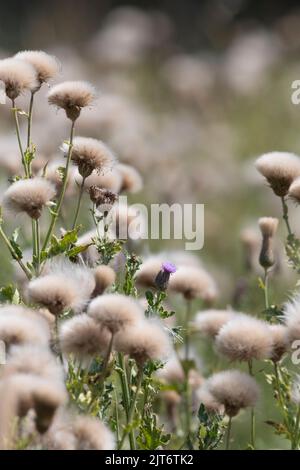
(102, 197)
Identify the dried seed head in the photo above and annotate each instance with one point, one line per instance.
(148, 270)
(210, 402)
(209, 322)
(104, 277)
(72, 97)
(193, 283)
(251, 243)
(268, 226)
(29, 196)
(66, 286)
(280, 169)
(45, 65)
(54, 174)
(110, 180)
(89, 155)
(280, 340)
(244, 338)
(144, 341)
(20, 326)
(33, 359)
(102, 198)
(82, 337)
(291, 315)
(172, 371)
(79, 433)
(115, 312)
(294, 190)
(235, 390)
(17, 76)
(131, 179)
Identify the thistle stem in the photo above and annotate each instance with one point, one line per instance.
(14, 254)
(132, 407)
(30, 112)
(105, 364)
(266, 289)
(56, 213)
(78, 203)
(125, 397)
(17, 127)
(228, 433)
(285, 215)
(296, 431)
(187, 404)
(252, 428)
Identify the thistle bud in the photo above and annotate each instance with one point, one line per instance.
(268, 227)
(162, 278)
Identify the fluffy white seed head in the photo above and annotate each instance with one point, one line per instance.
(209, 322)
(279, 169)
(18, 76)
(105, 276)
(268, 226)
(280, 340)
(82, 337)
(79, 433)
(111, 180)
(90, 154)
(72, 97)
(244, 338)
(193, 283)
(291, 316)
(144, 341)
(131, 179)
(66, 286)
(172, 371)
(28, 196)
(115, 312)
(294, 190)
(203, 395)
(33, 359)
(148, 270)
(46, 65)
(234, 390)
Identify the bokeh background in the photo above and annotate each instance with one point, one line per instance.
(190, 92)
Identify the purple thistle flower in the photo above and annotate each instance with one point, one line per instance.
(162, 278)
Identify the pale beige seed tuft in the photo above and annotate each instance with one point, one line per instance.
(294, 190)
(280, 169)
(105, 276)
(81, 337)
(17, 76)
(72, 97)
(244, 338)
(28, 196)
(280, 340)
(46, 65)
(193, 283)
(115, 312)
(234, 390)
(131, 179)
(268, 226)
(209, 322)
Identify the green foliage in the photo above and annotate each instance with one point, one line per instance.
(132, 265)
(9, 294)
(151, 436)
(211, 429)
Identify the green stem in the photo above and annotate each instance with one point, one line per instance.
(228, 433)
(125, 396)
(252, 428)
(55, 213)
(285, 215)
(296, 431)
(30, 120)
(132, 406)
(187, 404)
(14, 255)
(105, 364)
(17, 126)
(266, 289)
(78, 203)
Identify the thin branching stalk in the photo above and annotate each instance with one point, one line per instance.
(285, 215)
(17, 127)
(133, 405)
(266, 289)
(252, 420)
(81, 190)
(295, 440)
(228, 433)
(57, 210)
(125, 397)
(14, 254)
(105, 364)
(187, 397)
(30, 113)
